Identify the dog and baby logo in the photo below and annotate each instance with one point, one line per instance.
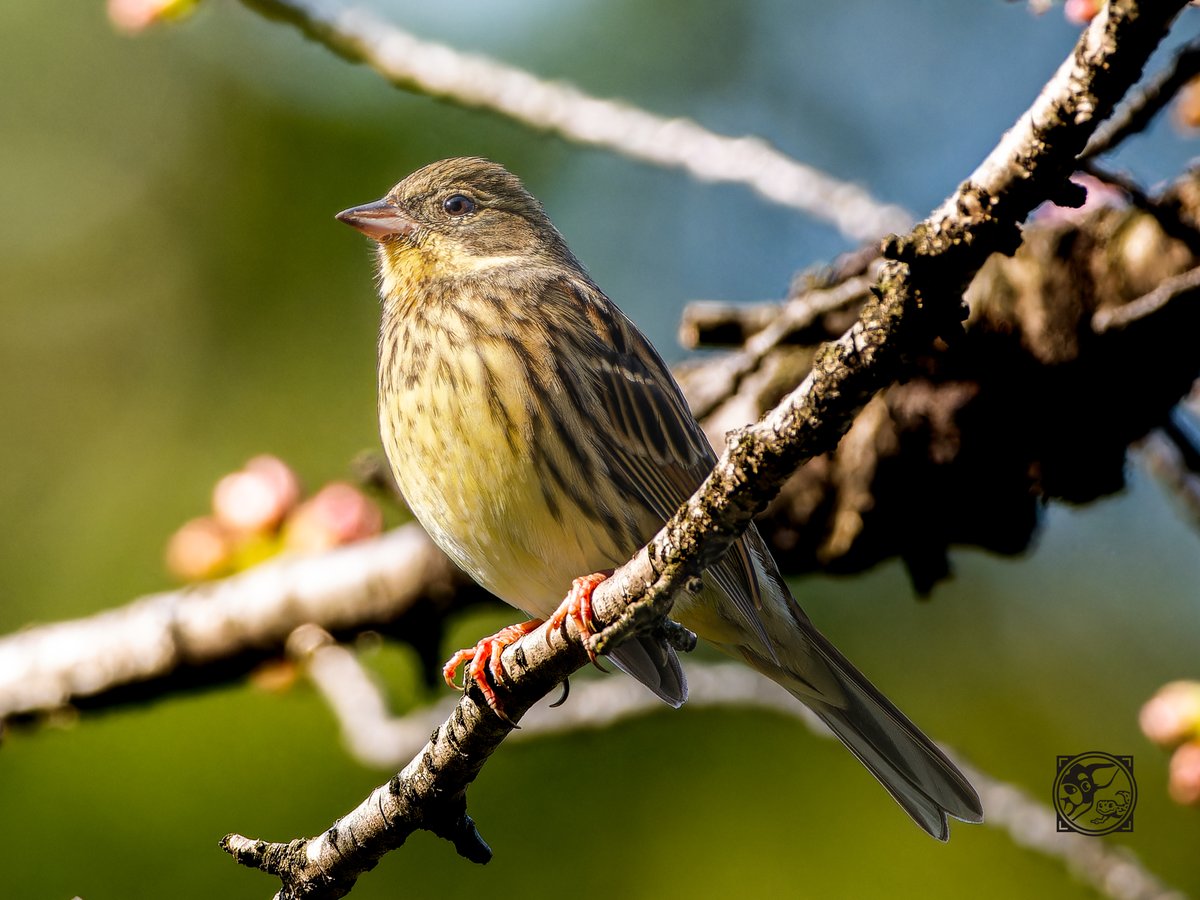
(1094, 793)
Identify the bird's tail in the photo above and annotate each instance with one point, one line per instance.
(913, 770)
(908, 764)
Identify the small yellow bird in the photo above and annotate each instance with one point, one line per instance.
(537, 436)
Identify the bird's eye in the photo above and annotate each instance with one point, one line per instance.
(458, 205)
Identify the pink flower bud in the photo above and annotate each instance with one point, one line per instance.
(1183, 779)
(257, 498)
(275, 676)
(200, 549)
(1080, 12)
(337, 514)
(1186, 111)
(280, 475)
(134, 16)
(1172, 715)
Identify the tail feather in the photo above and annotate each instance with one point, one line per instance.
(927, 785)
(799, 658)
(655, 665)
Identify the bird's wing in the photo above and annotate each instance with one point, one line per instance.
(653, 447)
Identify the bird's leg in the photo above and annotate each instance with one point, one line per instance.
(578, 607)
(486, 669)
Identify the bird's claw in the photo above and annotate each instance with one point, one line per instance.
(577, 607)
(486, 668)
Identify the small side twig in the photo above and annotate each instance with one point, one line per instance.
(1140, 109)
(1166, 214)
(1184, 288)
(1172, 454)
(725, 323)
(725, 376)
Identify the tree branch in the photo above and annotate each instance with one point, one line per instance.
(1167, 212)
(477, 82)
(219, 629)
(800, 313)
(1184, 288)
(1139, 111)
(377, 738)
(1172, 454)
(1033, 404)
(917, 297)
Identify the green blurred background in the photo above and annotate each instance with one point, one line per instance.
(176, 297)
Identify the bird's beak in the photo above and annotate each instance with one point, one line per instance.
(379, 220)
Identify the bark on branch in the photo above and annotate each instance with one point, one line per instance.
(1076, 347)
(917, 297)
(219, 630)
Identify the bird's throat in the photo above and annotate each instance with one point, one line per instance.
(404, 271)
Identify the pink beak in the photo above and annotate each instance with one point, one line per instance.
(379, 220)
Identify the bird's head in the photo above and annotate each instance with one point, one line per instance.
(460, 216)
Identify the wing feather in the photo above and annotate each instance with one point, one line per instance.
(653, 447)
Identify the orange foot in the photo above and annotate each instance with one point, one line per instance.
(578, 607)
(486, 668)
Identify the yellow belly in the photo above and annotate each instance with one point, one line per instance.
(461, 450)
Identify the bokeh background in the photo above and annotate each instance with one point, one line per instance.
(176, 297)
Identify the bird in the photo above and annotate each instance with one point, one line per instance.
(537, 435)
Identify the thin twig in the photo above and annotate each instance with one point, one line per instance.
(1113, 871)
(1167, 214)
(1172, 454)
(726, 375)
(1139, 110)
(1165, 459)
(470, 80)
(1183, 426)
(725, 323)
(1184, 288)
